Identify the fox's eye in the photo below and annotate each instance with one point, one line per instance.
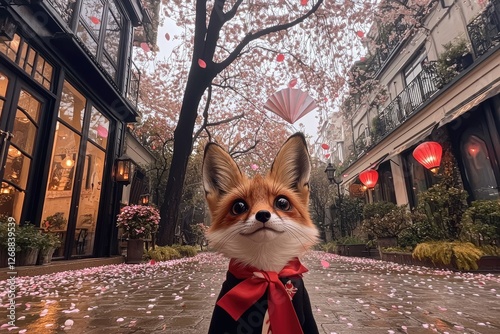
(239, 207)
(282, 203)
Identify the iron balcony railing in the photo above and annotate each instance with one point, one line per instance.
(484, 30)
(133, 83)
(406, 103)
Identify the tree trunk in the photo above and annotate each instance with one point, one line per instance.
(198, 82)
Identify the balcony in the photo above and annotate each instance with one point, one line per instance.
(484, 30)
(405, 104)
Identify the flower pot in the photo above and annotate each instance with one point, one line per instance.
(27, 257)
(135, 250)
(45, 256)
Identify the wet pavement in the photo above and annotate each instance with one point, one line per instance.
(349, 295)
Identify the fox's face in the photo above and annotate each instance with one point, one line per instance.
(263, 222)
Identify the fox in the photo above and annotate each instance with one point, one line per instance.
(262, 224)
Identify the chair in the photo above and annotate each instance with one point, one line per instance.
(81, 241)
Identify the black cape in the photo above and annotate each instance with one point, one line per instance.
(251, 321)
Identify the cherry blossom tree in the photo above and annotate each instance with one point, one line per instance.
(231, 56)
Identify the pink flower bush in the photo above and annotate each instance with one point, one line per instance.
(138, 221)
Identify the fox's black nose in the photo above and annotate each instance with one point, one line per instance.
(263, 216)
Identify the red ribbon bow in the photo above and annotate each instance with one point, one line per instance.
(240, 298)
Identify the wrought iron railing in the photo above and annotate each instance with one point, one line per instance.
(405, 104)
(484, 30)
(133, 84)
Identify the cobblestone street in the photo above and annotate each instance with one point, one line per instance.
(349, 295)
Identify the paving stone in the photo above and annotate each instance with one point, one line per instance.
(351, 295)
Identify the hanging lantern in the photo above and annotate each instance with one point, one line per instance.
(123, 170)
(369, 178)
(429, 155)
(325, 146)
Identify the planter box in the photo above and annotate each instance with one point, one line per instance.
(357, 250)
(485, 263)
(27, 257)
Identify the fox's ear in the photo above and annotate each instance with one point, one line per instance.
(292, 165)
(220, 172)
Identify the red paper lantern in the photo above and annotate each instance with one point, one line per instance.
(360, 34)
(327, 155)
(429, 155)
(325, 146)
(369, 178)
(280, 57)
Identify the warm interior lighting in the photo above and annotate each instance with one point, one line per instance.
(123, 166)
(68, 162)
(369, 178)
(473, 148)
(429, 155)
(145, 199)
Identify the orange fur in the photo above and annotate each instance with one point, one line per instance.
(288, 232)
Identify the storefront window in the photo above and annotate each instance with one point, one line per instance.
(10, 48)
(61, 179)
(90, 195)
(4, 82)
(98, 128)
(19, 155)
(478, 168)
(72, 107)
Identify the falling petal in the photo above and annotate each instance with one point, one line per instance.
(167, 36)
(145, 47)
(202, 63)
(94, 20)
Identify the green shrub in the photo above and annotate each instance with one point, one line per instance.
(465, 254)
(480, 223)
(490, 250)
(163, 253)
(186, 250)
(350, 240)
(329, 247)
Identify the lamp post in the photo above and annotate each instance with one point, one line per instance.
(330, 174)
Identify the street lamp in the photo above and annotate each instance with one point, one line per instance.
(330, 174)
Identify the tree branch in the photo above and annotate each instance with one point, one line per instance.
(251, 37)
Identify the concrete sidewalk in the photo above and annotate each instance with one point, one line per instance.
(351, 295)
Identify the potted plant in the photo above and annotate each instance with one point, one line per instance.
(28, 239)
(138, 223)
(49, 242)
(55, 222)
(454, 59)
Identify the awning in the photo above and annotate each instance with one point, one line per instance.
(473, 101)
(414, 140)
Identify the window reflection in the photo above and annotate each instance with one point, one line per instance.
(478, 167)
(90, 196)
(72, 107)
(99, 128)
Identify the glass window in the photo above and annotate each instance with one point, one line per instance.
(103, 44)
(90, 196)
(72, 107)
(58, 196)
(478, 168)
(11, 201)
(415, 67)
(17, 167)
(98, 128)
(4, 82)
(10, 48)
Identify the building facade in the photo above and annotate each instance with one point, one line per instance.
(440, 83)
(68, 87)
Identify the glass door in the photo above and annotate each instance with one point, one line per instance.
(21, 114)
